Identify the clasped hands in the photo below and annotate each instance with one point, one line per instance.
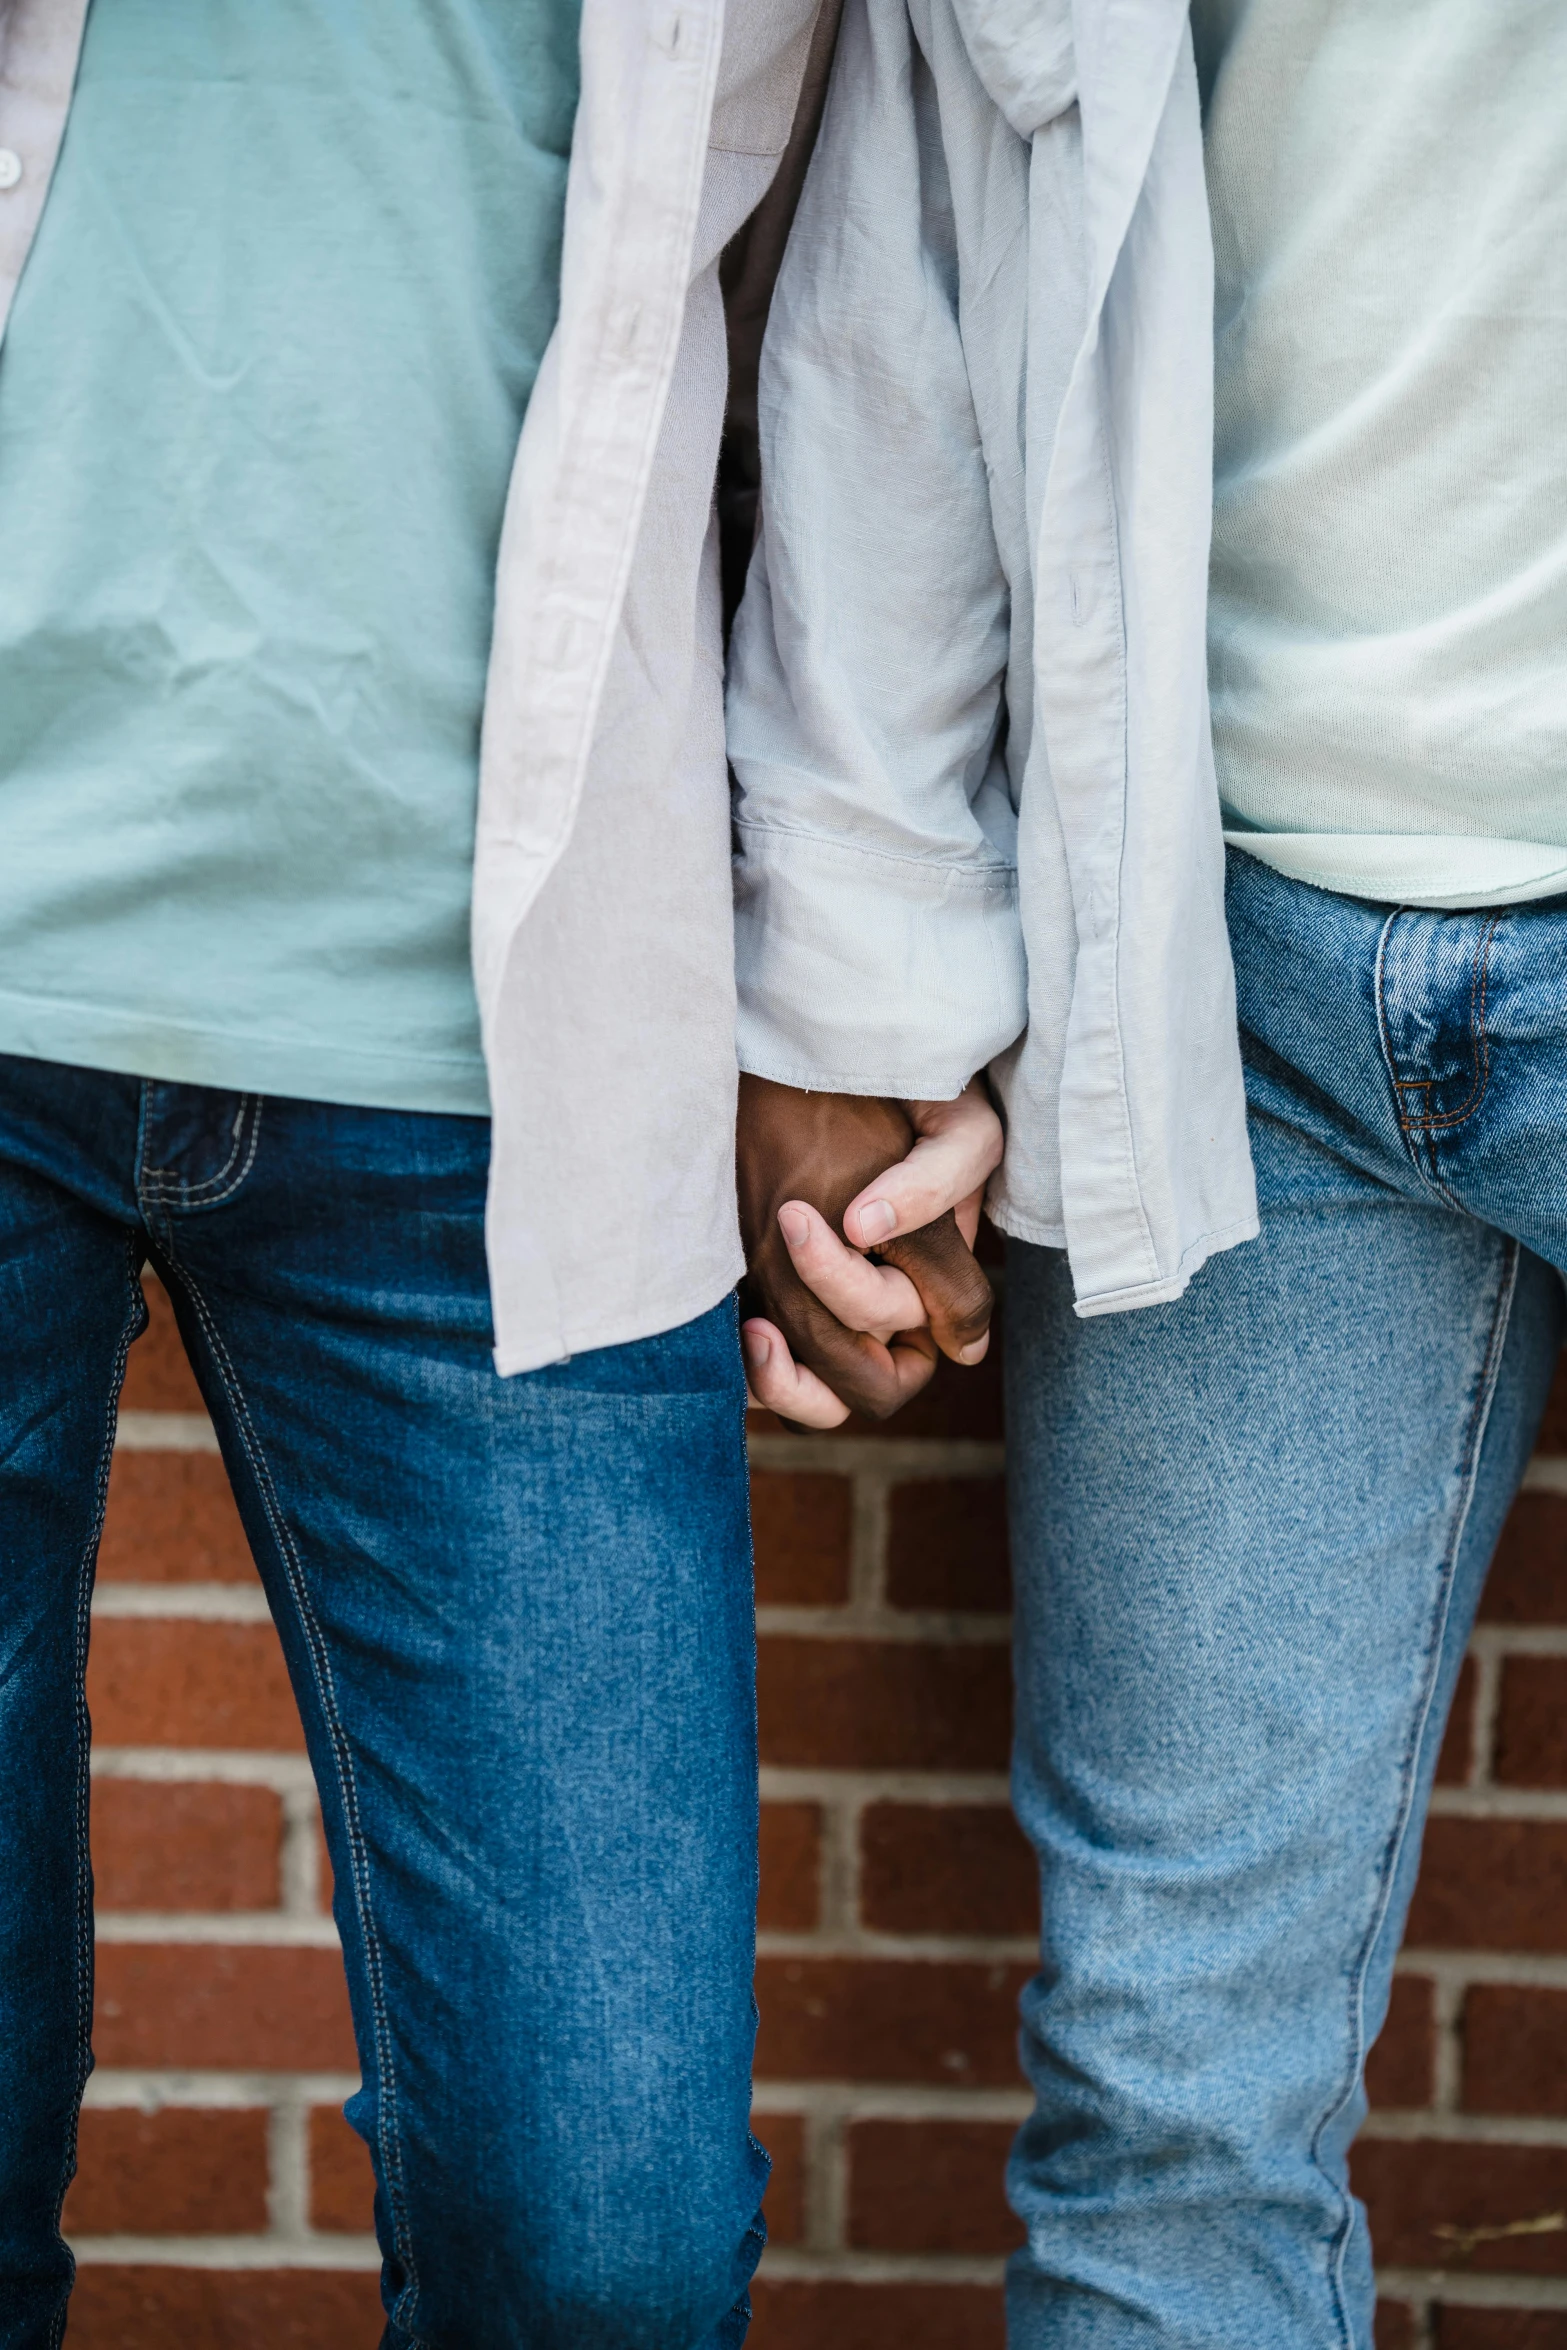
(859, 1217)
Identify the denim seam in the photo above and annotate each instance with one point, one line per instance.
(386, 2097)
(135, 1322)
(162, 1187)
(1480, 1043)
(1426, 1174)
(1468, 1466)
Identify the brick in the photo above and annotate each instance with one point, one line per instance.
(930, 2186)
(1395, 2326)
(783, 2134)
(958, 1402)
(947, 1544)
(880, 1704)
(801, 1526)
(1443, 2204)
(1455, 1763)
(1553, 1428)
(1499, 2329)
(171, 1519)
(1531, 1722)
(801, 2314)
(791, 1868)
(947, 1868)
(854, 2019)
(1492, 1885)
(180, 2172)
(218, 2309)
(155, 1682)
(157, 1376)
(209, 2005)
(163, 1846)
(1515, 2050)
(1528, 1579)
(1400, 2070)
(342, 2182)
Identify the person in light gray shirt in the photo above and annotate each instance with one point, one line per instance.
(1150, 734)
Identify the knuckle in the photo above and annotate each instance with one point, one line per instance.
(971, 1316)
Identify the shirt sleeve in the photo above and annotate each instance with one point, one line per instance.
(878, 943)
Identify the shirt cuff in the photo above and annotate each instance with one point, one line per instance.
(865, 973)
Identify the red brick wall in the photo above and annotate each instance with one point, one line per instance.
(222, 2201)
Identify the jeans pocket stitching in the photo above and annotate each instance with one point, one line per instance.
(163, 1187)
(1411, 1127)
(1480, 1045)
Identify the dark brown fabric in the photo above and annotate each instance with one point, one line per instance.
(747, 273)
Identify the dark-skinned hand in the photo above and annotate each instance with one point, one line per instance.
(857, 1215)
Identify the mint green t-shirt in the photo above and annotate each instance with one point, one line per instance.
(259, 399)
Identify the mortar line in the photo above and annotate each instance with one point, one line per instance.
(1487, 1697)
(288, 2169)
(1447, 2007)
(151, 2088)
(866, 1618)
(300, 1872)
(181, 1603)
(915, 1949)
(182, 1765)
(839, 1863)
(868, 1545)
(228, 2252)
(254, 1929)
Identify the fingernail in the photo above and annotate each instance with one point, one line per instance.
(758, 1346)
(975, 1353)
(877, 1218)
(795, 1225)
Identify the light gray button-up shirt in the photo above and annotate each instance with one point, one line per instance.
(976, 813)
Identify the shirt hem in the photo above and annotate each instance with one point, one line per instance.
(1024, 1228)
(892, 1085)
(93, 1037)
(1172, 1285)
(1298, 858)
(649, 1320)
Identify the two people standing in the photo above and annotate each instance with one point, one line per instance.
(362, 595)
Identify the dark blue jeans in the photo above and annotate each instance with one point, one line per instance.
(518, 1617)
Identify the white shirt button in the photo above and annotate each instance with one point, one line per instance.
(10, 168)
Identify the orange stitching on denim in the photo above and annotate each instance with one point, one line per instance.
(1480, 1045)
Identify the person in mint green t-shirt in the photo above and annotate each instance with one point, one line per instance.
(360, 401)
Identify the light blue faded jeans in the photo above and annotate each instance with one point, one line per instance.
(1250, 1531)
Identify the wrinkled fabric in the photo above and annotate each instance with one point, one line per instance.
(518, 1621)
(251, 483)
(602, 916)
(1388, 599)
(976, 813)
